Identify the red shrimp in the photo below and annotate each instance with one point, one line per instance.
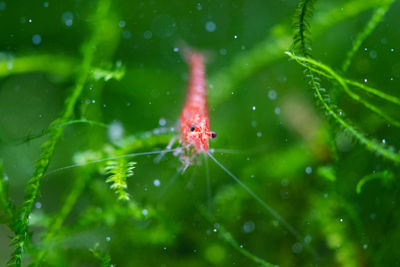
(194, 122)
(195, 131)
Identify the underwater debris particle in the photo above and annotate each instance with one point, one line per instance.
(122, 23)
(272, 94)
(248, 227)
(67, 18)
(147, 35)
(297, 248)
(36, 39)
(162, 122)
(308, 170)
(210, 26)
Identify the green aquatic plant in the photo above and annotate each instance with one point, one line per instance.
(114, 206)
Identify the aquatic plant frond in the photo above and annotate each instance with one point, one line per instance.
(376, 18)
(329, 73)
(386, 176)
(119, 171)
(32, 189)
(302, 38)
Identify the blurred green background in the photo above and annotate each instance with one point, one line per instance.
(278, 141)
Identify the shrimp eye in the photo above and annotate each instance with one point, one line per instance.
(213, 135)
(192, 127)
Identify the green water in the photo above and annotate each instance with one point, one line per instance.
(311, 134)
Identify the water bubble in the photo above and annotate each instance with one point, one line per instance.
(115, 131)
(341, 220)
(10, 65)
(259, 134)
(46, 4)
(157, 182)
(241, 246)
(308, 170)
(253, 108)
(2, 5)
(126, 34)
(210, 26)
(383, 141)
(30, 20)
(365, 246)
(365, 49)
(108, 239)
(38, 205)
(176, 49)
(326, 195)
(272, 94)
(277, 111)
(235, 37)
(145, 212)
(392, 50)
(243, 47)
(122, 23)
(254, 124)
(162, 122)
(6, 178)
(67, 18)
(307, 239)
(248, 227)
(297, 248)
(93, 101)
(223, 51)
(36, 39)
(391, 78)
(365, 80)
(147, 35)
(372, 54)
(199, 7)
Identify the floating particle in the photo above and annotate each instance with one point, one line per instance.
(67, 18)
(36, 39)
(210, 26)
(156, 182)
(147, 35)
(272, 94)
(308, 170)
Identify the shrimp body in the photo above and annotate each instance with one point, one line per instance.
(194, 122)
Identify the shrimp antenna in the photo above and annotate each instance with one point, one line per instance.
(273, 212)
(111, 158)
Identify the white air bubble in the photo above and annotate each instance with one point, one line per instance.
(145, 212)
(156, 182)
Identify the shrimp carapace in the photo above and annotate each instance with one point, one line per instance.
(194, 123)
